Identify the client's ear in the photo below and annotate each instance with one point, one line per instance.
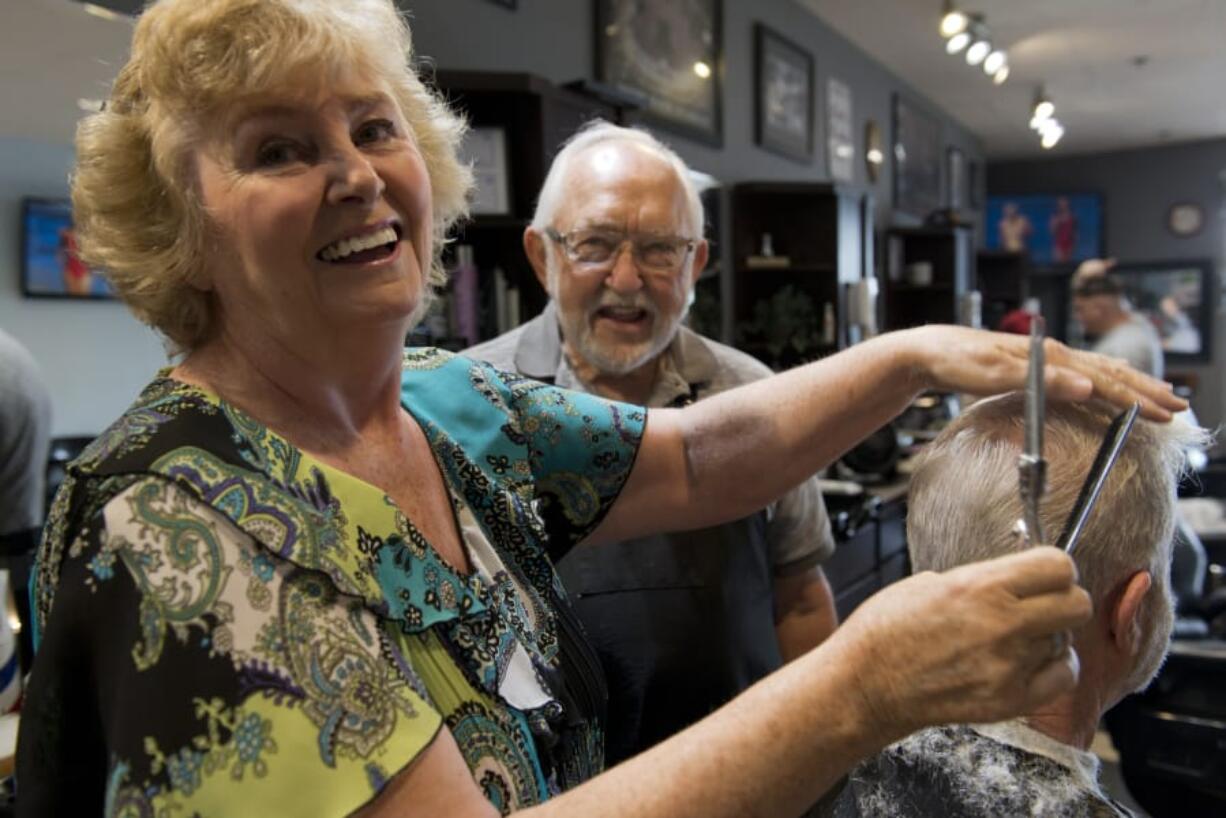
(1125, 617)
(534, 249)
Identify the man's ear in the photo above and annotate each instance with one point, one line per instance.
(534, 248)
(1125, 616)
(701, 252)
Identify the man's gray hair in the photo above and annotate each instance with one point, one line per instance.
(963, 500)
(596, 132)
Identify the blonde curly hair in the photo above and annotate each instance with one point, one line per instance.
(135, 198)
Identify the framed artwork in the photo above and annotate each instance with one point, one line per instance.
(1052, 228)
(486, 150)
(1177, 298)
(840, 132)
(672, 54)
(783, 95)
(917, 159)
(50, 267)
(955, 160)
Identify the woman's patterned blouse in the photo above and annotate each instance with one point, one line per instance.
(229, 626)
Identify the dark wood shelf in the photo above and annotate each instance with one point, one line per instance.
(935, 289)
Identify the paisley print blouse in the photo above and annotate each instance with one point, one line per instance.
(229, 626)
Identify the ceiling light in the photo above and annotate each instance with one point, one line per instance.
(978, 51)
(702, 69)
(1042, 109)
(102, 12)
(957, 42)
(952, 21)
(993, 62)
(1001, 74)
(1051, 134)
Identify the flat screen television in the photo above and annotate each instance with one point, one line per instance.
(1053, 229)
(50, 267)
(1177, 297)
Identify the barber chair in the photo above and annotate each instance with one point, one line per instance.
(1172, 738)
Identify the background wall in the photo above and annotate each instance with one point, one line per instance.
(1138, 188)
(554, 39)
(94, 355)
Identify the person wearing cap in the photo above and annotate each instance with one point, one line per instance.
(1106, 316)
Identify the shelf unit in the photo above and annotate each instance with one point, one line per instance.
(536, 117)
(818, 227)
(949, 252)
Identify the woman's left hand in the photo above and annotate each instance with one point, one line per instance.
(959, 359)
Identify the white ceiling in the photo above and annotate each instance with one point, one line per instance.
(1082, 51)
(52, 53)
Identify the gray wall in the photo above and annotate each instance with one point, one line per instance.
(95, 357)
(554, 39)
(1138, 188)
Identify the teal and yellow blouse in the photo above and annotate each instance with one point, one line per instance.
(229, 626)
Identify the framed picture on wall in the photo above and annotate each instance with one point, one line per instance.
(50, 266)
(1052, 228)
(955, 161)
(783, 95)
(1178, 299)
(840, 132)
(917, 159)
(671, 53)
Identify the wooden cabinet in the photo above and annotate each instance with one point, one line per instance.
(794, 247)
(928, 272)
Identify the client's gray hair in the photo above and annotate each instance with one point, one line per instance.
(963, 500)
(598, 131)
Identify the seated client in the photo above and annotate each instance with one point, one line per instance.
(962, 508)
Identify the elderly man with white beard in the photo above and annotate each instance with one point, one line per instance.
(962, 507)
(682, 622)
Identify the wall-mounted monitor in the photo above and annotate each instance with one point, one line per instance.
(1177, 297)
(1054, 229)
(50, 266)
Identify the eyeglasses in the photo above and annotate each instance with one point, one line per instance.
(593, 250)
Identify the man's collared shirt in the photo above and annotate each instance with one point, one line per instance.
(682, 622)
(692, 368)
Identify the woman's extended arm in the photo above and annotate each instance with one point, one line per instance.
(969, 645)
(732, 453)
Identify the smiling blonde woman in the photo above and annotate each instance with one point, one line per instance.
(310, 573)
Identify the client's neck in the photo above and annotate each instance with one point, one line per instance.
(1072, 718)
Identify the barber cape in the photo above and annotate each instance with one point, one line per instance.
(979, 771)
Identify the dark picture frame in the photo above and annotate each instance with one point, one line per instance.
(955, 178)
(661, 51)
(1178, 297)
(918, 156)
(50, 267)
(783, 95)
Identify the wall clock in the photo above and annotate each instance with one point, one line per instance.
(1185, 219)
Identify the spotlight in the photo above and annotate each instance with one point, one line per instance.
(702, 69)
(1052, 133)
(978, 52)
(957, 42)
(1001, 74)
(993, 62)
(1042, 110)
(952, 21)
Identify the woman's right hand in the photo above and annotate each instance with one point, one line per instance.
(980, 643)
